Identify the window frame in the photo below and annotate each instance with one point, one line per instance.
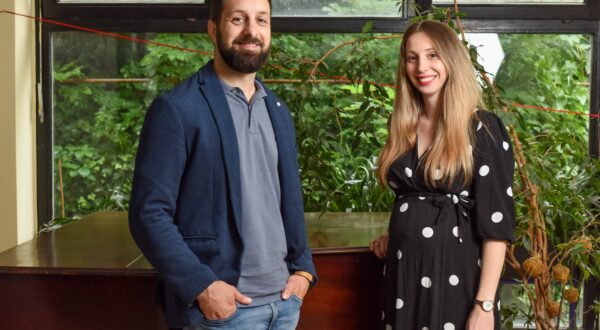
(589, 10)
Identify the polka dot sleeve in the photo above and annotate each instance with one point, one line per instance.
(494, 212)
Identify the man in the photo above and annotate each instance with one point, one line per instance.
(216, 204)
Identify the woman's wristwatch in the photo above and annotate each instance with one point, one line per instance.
(486, 305)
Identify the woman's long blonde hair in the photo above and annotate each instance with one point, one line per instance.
(450, 151)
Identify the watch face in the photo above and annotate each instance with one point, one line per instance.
(487, 305)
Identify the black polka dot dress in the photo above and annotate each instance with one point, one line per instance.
(433, 262)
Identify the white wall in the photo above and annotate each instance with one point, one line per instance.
(17, 124)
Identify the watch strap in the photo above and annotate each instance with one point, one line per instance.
(306, 275)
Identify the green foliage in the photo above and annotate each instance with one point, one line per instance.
(360, 7)
(97, 125)
(340, 127)
(516, 311)
(441, 14)
(335, 7)
(553, 71)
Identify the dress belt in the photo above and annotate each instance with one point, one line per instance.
(461, 205)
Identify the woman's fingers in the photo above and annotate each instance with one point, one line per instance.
(379, 246)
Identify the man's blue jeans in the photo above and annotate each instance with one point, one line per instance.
(279, 315)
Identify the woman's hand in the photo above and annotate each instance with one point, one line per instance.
(379, 246)
(480, 319)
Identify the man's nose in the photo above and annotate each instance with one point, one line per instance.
(250, 28)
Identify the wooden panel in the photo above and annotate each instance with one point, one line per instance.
(346, 295)
(36, 301)
(99, 243)
(90, 275)
(345, 298)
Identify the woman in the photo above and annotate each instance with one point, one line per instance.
(450, 166)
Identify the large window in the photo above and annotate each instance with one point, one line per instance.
(100, 98)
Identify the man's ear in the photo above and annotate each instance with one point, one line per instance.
(212, 31)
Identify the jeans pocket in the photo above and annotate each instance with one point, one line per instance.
(220, 322)
(296, 299)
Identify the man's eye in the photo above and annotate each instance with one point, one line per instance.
(237, 20)
(263, 21)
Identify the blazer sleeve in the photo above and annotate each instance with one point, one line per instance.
(299, 253)
(159, 166)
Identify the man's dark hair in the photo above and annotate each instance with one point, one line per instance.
(216, 8)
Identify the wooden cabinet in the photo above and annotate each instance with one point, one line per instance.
(90, 275)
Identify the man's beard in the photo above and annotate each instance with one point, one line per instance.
(239, 60)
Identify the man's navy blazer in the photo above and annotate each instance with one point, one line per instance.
(185, 210)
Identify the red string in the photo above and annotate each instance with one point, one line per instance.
(341, 78)
(570, 112)
(107, 34)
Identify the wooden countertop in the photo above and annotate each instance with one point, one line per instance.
(100, 244)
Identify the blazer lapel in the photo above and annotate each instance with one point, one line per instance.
(277, 114)
(210, 87)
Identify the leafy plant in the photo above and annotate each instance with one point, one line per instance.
(560, 182)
